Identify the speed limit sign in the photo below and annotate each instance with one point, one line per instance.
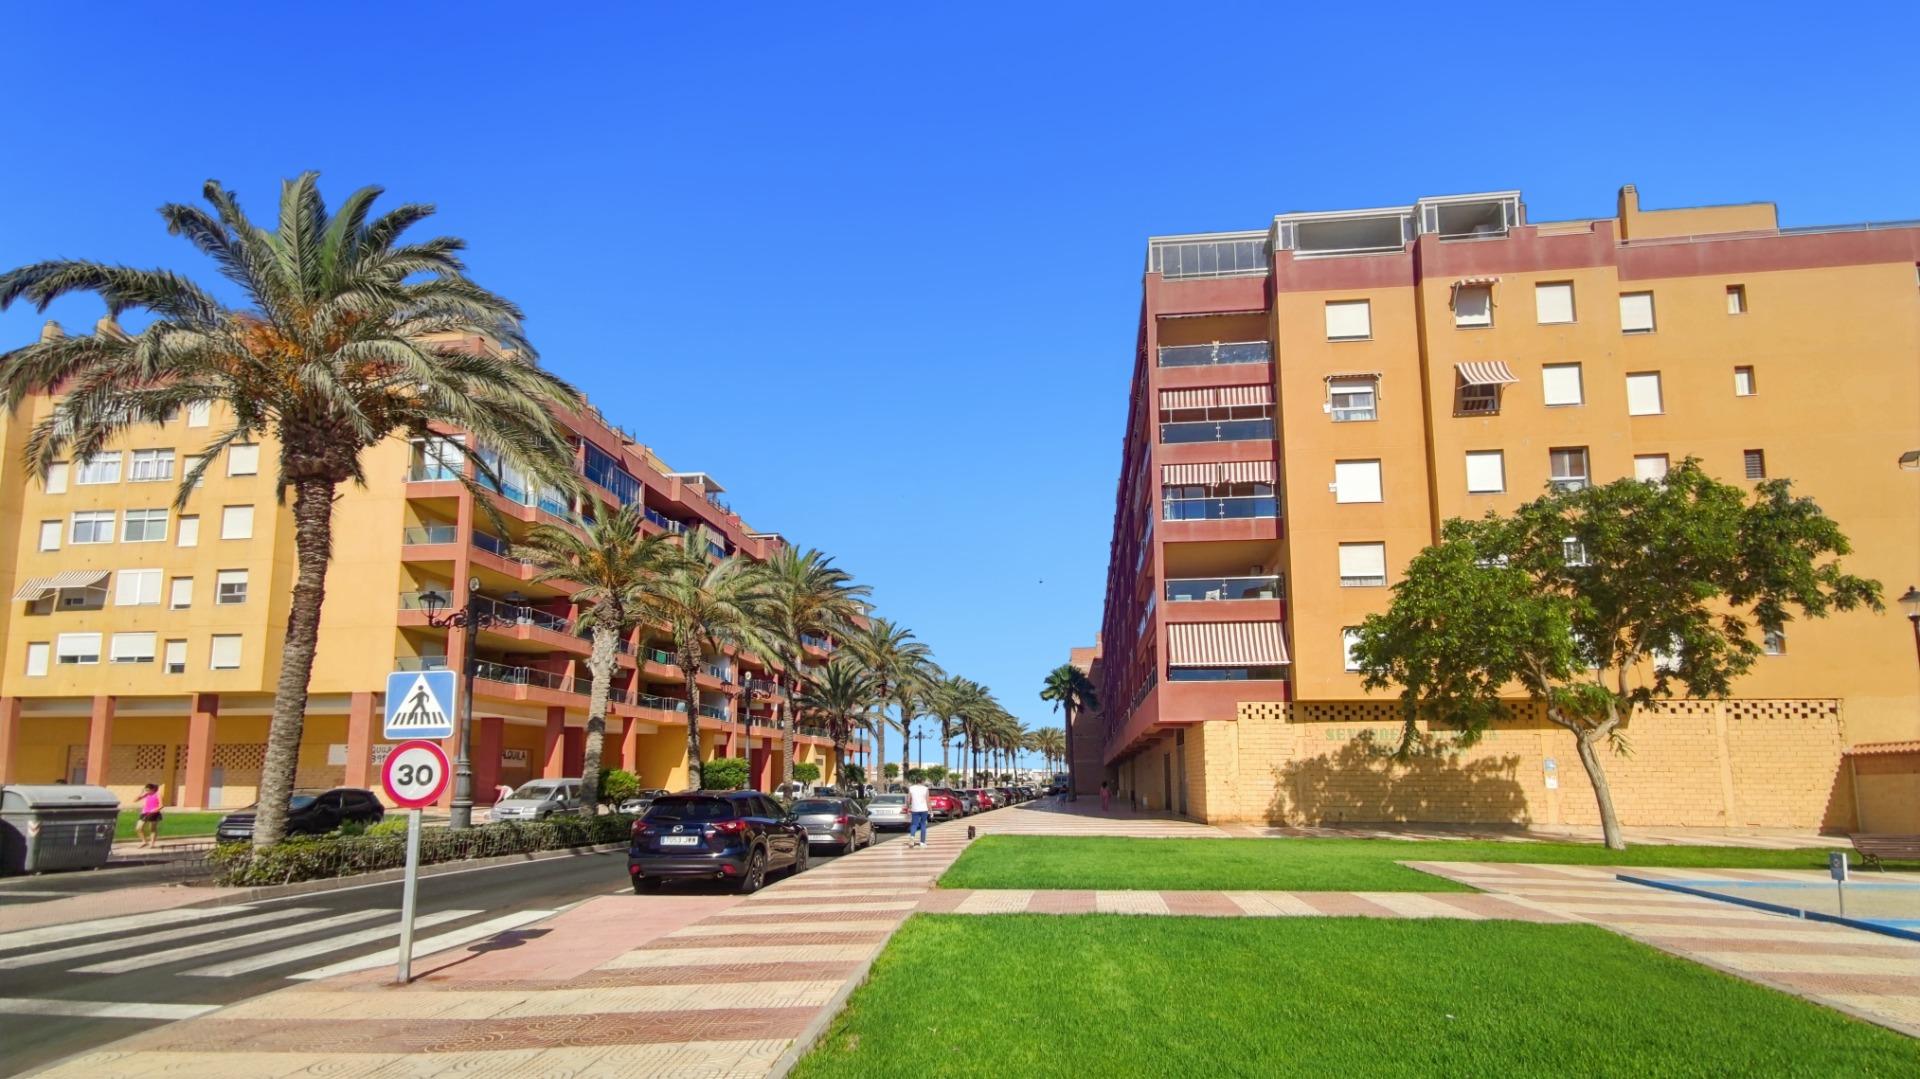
(415, 774)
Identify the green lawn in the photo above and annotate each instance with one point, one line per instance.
(172, 823)
(1300, 865)
(1114, 995)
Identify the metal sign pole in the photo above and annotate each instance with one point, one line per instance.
(405, 974)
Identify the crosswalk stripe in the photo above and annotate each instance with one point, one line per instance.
(53, 934)
(102, 1009)
(119, 944)
(221, 944)
(322, 947)
(426, 947)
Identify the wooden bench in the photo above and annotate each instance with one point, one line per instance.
(1874, 848)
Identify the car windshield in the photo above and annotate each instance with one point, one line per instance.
(690, 809)
(534, 792)
(815, 805)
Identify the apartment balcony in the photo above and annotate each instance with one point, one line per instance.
(1217, 431)
(1212, 519)
(1225, 254)
(509, 621)
(1214, 591)
(1215, 354)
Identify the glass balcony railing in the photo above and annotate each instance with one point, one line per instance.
(1216, 431)
(426, 534)
(714, 711)
(1187, 589)
(500, 612)
(659, 655)
(420, 663)
(431, 473)
(528, 676)
(1226, 255)
(816, 642)
(663, 520)
(664, 704)
(1219, 509)
(1216, 352)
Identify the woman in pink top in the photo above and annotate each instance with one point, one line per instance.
(148, 828)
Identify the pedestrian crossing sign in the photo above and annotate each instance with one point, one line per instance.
(420, 704)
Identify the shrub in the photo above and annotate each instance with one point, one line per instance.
(853, 773)
(724, 774)
(618, 785)
(806, 771)
(892, 771)
(385, 847)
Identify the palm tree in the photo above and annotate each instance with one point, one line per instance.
(843, 697)
(346, 337)
(706, 607)
(806, 596)
(1070, 690)
(902, 670)
(1050, 743)
(610, 561)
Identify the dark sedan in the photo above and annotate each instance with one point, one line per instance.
(834, 822)
(309, 812)
(737, 836)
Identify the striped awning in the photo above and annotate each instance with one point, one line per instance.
(1225, 644)
(39, 587)
(1476, 282)
(1213, 472)
(1355, 376)
(1485, 373)
(1217, 397)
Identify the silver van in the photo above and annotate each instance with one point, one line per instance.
(539, 799)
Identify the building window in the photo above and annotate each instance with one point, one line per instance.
(1743, 382)
(1643, 394)
(1349, 640)
(133, 648)
(49, 535)
(1356, 481)
(56, 480)
(1736, 299)
(190, 530)
(243, 459)
(1486, 472)
(1363, 565)
(145, 526)
(199, 413)
(1567, 467)
(1573, 552)
(137, 588)
(1553, 302)
(231, 587)
(1350, 400)
(1477, 399)
(1650, 467)
(1636, 312)
(91, 526)
(1473, 305)
(196, 466)
(1349, 320)
(1755, 462)
(226, 652)
(1774, 642)
(150, 466)
(180, 593)
(77, 649)
(100, 468)
(1560, 384)
(236, 523)
(176, 657)
(39, 655)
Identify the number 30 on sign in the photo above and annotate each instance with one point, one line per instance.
(415, 774)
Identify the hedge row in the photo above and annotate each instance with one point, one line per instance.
(322, 857)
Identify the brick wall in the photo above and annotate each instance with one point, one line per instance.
(1738, 763)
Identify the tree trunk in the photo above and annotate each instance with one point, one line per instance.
(906, 739)
(787, 732)
(313, 549)
(605, 641)
(1602, 793)
(690, 667)
(1066, 708)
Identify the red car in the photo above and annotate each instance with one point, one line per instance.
(944, 804)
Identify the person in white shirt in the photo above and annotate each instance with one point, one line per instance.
(917, 824)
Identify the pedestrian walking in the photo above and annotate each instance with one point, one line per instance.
(148, 826)
(917, 806)
(1106, 797)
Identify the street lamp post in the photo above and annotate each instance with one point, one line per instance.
(471, 619)
(1911, 603)
(920, 747)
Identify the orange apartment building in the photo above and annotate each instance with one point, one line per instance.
(139, 643)
(1311, 400)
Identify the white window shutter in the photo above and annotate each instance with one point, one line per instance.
(1636, 312)
(56, 481)
(1643, 394)
(1363, 560)
(1348, 319)
(236, 522)
(1486, 472)
(1560, 384)
(1473, 306)
(243, 459)
(1553, 303)
(1356, 481)
(226, 652)
(39, 654)
(1650, 466)
(189, 531)
(199, 413)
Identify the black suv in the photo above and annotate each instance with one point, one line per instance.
(739, 836)
(309, 812)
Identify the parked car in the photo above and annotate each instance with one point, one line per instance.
(945, 803)
(539, 799)
(982, 801)
(639, 803)
(890, 810)
(738, 836)
(787, 792)
(309, 812)
(834, 822)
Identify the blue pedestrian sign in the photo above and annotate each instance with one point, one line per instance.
(420, 704)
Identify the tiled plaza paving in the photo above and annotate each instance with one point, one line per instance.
(719, 986)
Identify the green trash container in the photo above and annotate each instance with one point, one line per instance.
(56, 826)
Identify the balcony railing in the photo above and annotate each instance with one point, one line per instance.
(1187, 589)
(420, 663)
(664, 704)
(1219, 256)
(663, 520)
(659, 655)
(425, 473)
(714, 711)
(816, 642)
(1219, 509)
(1218, 352)
(414, 537)
(528, 676)
(1216, 431)
(508, 613)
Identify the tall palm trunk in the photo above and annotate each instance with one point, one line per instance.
(606, 641)
(313, 549)
(1066, 707)
(788, 731)
(689, 660)
(880, 745)
(906, 741)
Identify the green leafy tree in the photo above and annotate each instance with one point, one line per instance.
(916, 775)
(617, 785)
(1071, 691)
(806, 771)
(936, 773)
(345, 336)
(723, 774)
(901, 669)
(806, 597)
(853, 773)
(890, 770)
(1598, 601)
(840, 698)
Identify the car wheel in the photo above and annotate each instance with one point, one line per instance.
(756, 873)
(799, 861)
(646, 885)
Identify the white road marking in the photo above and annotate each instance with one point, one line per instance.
(118, 944)
(221, 944)
(51, 934)
(102, 1009)
(22, 891)
(426, 947)
(322, 947)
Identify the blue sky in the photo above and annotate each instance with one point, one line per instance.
(877, 267)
